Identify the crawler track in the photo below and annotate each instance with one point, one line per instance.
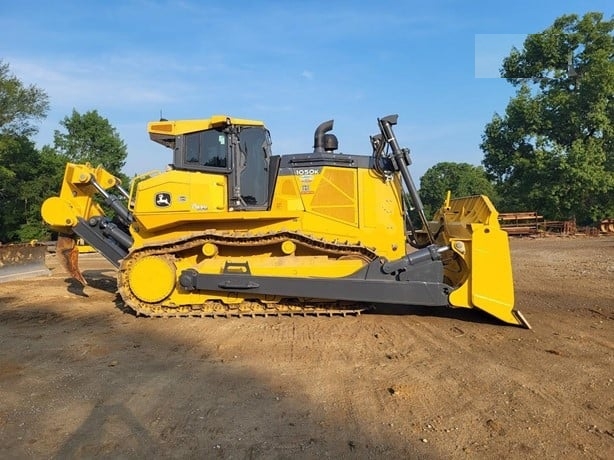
(248, 307)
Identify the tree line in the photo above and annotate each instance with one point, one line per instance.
(551, 151)
(29, 175)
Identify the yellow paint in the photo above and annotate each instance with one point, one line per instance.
(334, 212)
(209, 249)
(75, 198)
(288, 247)
(193, 197)
(152, 278)
(482, 271)
(178, 127)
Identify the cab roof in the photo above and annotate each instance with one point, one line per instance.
(178, 127)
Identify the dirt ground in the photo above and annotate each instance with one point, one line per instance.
(82, 378)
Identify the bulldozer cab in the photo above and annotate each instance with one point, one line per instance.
(240, 149)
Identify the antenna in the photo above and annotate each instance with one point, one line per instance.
(161, 118)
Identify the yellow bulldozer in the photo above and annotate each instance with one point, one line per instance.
(229, 229)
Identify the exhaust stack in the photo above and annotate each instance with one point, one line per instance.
(319, 136)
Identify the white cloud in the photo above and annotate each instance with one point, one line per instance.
(84, 83)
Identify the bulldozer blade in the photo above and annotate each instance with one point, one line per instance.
(19, 261)
(486, 281)
(68, 256)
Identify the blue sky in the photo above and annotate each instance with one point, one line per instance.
(290, 64)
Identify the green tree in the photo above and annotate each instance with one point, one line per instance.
(553, 149)
(461, 179)
(21, 106)
(22, 170)
(45, 181)
(17, 154)
(35, 175)
(91, 138)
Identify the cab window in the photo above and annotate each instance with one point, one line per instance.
(254, 145)
(206, 148)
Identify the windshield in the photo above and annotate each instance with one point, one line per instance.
(207, 148)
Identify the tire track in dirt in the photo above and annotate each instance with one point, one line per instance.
(90, 380)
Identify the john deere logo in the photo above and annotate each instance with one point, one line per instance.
(163, 199)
